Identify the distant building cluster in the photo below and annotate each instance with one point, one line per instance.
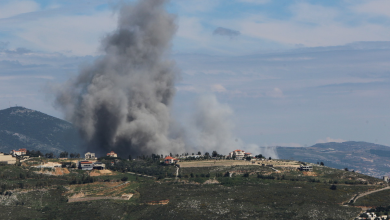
(239, 155)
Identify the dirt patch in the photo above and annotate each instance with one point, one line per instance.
(210, 181)
(100, 172)
(57, 171)
(78, 195)
(60, 171)
(309, 173)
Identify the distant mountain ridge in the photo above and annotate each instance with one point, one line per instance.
(367, 158)
(25, 128)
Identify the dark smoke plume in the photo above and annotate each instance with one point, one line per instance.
(122, 102)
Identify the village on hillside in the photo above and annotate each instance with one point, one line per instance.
(90, 177)
(91, 162)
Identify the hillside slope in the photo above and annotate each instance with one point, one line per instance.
(25, 128)
(367, 158)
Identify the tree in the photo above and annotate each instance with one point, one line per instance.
(234, 157)
(248, 158)
(78, 155)
(269, 158)
(206, 155)
(259, 156)
(322, 164)
(49, 155)
(64, 154)
(193, 154)
(346, 169)
(199, 153)
(333, 187)
(71, 155)
(129, 156)
(214, 154)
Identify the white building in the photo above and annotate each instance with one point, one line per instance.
(238, 154)
(19, 152)
(90, 155)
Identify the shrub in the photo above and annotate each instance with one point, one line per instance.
(125, 178)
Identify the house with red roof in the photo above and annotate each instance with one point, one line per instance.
(112, 154)
(19, 152)
(170, 160)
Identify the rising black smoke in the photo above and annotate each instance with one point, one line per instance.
(122, 101)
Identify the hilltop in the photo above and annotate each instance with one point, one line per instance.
(206, 189)
(25, 128)
(367, 158)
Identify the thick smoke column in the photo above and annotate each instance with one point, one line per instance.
(122, 102)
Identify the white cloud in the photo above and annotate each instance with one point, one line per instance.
(255, 1)
(192, 6)
(328, 139)
(312, 26)
(218, 88)
(186, 88)
(12, 8)
(58, 30)
(374, 7)
(287, 144)
(275, 93)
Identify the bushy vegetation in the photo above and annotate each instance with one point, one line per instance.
(378, 199)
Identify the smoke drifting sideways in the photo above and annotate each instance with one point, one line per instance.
(122, 101)
(212, 128)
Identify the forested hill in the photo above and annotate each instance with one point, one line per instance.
(25, 128)
(367, 158)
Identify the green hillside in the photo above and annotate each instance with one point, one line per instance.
(253, 192)
(368, 158)
(25, 128)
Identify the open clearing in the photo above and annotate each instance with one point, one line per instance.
(218, 163)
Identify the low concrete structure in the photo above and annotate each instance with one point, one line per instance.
(127, 196)
(85, 165)
(305, 168)
(99, 166)
(7, 159)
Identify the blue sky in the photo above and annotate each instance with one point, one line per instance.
(298, 72)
